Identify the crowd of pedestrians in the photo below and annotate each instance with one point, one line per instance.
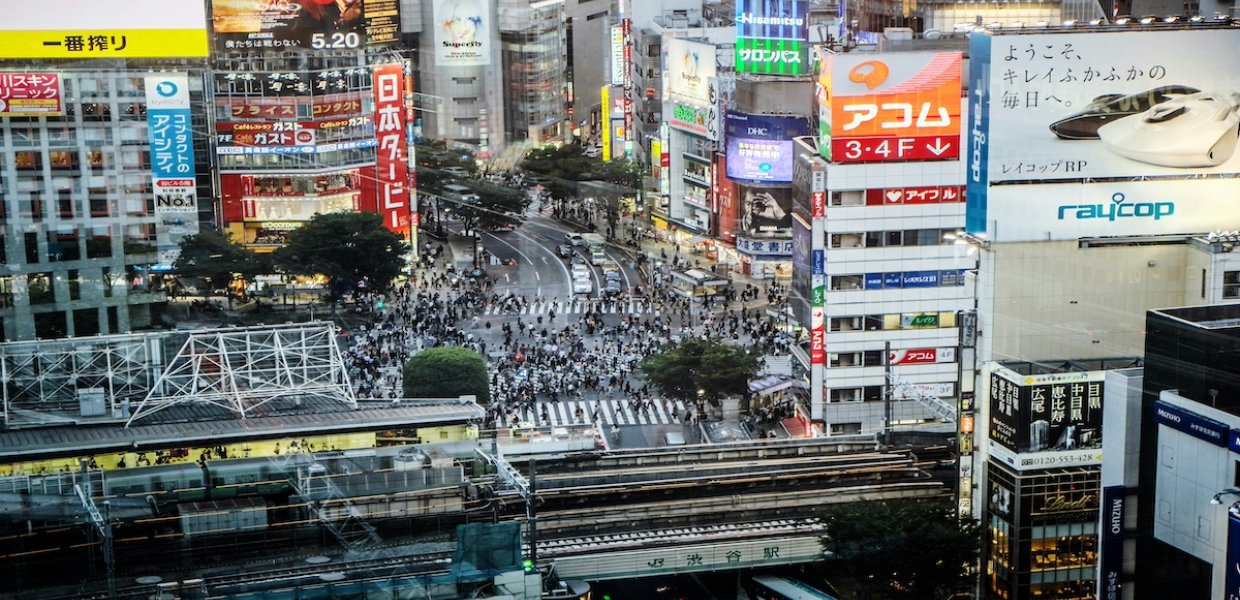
(536, 360)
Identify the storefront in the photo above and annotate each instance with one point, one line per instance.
(696, 283)
(765, 258)
(261, 210)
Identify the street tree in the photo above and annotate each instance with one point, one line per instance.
(352, 249)
(914, 549)
(217, 259)
(446, 372)
(708, 369)
(496, 205)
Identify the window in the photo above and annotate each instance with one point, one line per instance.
(847, 282)
(845, 428)
(1231, 284)
(846, 240)
(40, 288)
(844, 395)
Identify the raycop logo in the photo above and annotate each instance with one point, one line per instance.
(978, 135)
(1118, 209)
(752, 19)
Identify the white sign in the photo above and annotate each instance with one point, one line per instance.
(462, 33)
(1068, 211)
(938, 390)
(617, 55)
(1124, 103)
(1045, 460)
(690, 67)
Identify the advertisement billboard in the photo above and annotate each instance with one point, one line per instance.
(392, 161)
(922, 356)
(382, 21)
(703, 121)
(772, 19)
(690, 69)
(172, 162)
(765, 210)
(772, 37)
(617, 55)
(1043, 421)
(1119, 103)
(1076, 210)
(318, 25)
(31, 95)
(115, 29)
(1111, 548)
(935, 194)
(771, 57)
(462, 33)
(897, 107)
(759, 147)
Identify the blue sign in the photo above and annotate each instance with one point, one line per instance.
(873, 281)
(172, 141)
(1231, 589)
(920, 279)
(820, 262)
(1233, 441)
(977, 177)
(772, 19)
(759, 147)
(1111, 550)
(892, 280)
(1191, 423)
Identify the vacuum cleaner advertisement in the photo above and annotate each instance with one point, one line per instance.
(1070, 107)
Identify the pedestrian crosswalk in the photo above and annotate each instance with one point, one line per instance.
(569, 307)
(610, 412)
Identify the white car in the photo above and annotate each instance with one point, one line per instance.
(581, 271)
(573, 238)
(583, 286)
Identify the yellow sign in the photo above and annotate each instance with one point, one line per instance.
(100, 43)
(605, 97)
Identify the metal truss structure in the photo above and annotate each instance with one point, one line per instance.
(940, 408)
(241, 369)
(91, 379)
(46, 382)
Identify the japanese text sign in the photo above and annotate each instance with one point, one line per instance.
(895, 107)
(114, 29)
(30, 95)
(392, 167)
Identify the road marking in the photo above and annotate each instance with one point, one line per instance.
(514, 248)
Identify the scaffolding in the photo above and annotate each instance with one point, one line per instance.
(241, 369)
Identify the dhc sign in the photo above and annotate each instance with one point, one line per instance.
(1117, 209)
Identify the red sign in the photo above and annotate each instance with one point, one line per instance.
(915, 195)
(895, 107)
(30, 95)
(817, 349)
(922, 356)
(819, 205)
(392, 166)
(285, 107)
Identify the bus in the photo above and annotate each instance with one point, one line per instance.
(459, 193)
(594, 248)
(767, 587)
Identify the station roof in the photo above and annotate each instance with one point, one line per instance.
(188, 425)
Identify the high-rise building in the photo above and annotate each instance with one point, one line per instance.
(104, 163)
(534, 51)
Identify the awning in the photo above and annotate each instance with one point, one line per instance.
(701, 239)
(770, 385)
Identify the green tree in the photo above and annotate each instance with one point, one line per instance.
(915, 549)
(346, 247)
(496, 205)
(216, 258)
(713, 367)
(446, 372)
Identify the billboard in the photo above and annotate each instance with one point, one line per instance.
(315, 25)
(116, 29)
(922, 356)
(382, 21)
(935, 194)
(765, 210)
(759, 147)
(31, 95)
(1072, 211)
(690, 71)
(462, 33)
(703, 121)
(771, 57)
(617, 55)
(286, 107)
(772, 36)
(1044, 421)
(772, 19)
(392, 161)
(897, 107)
(1107, 104)
(172, 162)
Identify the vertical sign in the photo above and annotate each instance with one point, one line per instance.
(1111, 556)
(617, 55)
(391, 166)
(604, 95)
(172, 162)
(627, 26)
